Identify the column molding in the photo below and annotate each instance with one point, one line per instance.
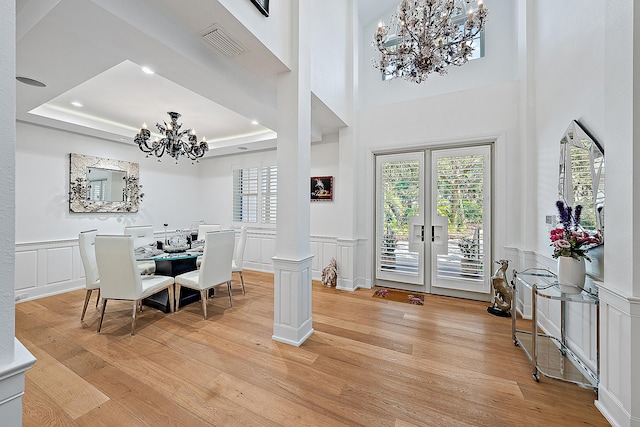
(292, 323)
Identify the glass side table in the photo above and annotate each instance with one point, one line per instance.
(550, 355)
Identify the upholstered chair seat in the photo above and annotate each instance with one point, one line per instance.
(119, 276)
(215, 269)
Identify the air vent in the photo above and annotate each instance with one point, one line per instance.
(217, 37)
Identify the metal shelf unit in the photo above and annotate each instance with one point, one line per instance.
(550, 355)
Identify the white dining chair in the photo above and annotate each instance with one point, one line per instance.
(119, 277)
(143, 237)
(238, 255)
(86, 244)
(203, 229)
(215, 269)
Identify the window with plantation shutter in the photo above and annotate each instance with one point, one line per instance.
(255, 195)
(245, 195)
(269, 195)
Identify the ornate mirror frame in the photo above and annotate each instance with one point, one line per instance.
(581, 178)
(79, 185)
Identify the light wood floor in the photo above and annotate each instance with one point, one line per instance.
(369, 362)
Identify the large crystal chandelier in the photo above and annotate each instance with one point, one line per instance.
(172, 141)
(425, 36)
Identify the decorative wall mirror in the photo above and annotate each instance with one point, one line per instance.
(581, 180)
(103, 185)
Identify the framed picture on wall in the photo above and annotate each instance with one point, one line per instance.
(262, 5)
(321, 188)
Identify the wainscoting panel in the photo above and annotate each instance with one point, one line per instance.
(59, 265)
(47, 268)
(26, 271)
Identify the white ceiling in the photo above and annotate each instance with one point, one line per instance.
(91, 52)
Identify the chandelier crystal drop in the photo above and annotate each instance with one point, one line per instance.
(172, 141)
(426, 36)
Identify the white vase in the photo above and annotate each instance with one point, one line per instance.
(571, 274)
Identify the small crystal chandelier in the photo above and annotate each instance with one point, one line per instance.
(172, 142)
(429, 36)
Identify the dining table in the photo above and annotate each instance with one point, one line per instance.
(171, 264)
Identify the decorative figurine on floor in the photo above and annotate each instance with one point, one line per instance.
(502, 291)
(330, 274)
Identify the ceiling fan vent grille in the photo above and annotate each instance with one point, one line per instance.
(222, 41)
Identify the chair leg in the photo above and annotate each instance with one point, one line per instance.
(242, 282)
(171, 298)
(229, 288)
(98, 299)
(177, 295)
(203, 297)
(133, 320)
(104, 308)
(86, 303)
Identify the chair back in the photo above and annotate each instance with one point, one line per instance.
(216, 258)
(86, 244)
(238, 253)
(203, 229)
(142, 235)
(119, 277)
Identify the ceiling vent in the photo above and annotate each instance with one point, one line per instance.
(217, 37)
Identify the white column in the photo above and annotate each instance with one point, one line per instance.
(14, 358)
(292, 263)
(347, 187)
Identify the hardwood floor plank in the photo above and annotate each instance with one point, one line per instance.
(70, 392)
(369, 362)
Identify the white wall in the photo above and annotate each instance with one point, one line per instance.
(498, 65)
(274, 32)
(172, 192)
(329, 54)
(216, 175)
(569, 86)
(482, 114)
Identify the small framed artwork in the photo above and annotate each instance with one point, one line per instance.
(321, 188)
(262, 5)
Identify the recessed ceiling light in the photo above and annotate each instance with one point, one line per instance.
(254, 122)
(242, 148)
(76, 104)
(30, 81)
(147, 70)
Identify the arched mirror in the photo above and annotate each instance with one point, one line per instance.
(581, 180)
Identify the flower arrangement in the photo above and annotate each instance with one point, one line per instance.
(571, 239)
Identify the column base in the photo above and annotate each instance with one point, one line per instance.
(12, 385)
(292, 323)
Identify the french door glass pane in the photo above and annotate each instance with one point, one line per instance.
(400, 181)
(460, 196)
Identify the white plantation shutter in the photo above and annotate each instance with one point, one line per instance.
(269, 194)
(245, 195)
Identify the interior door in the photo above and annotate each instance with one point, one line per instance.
(461, 219)
(399, 219)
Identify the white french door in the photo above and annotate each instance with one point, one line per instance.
(399, 252)
(433, 220)
(461, 218)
